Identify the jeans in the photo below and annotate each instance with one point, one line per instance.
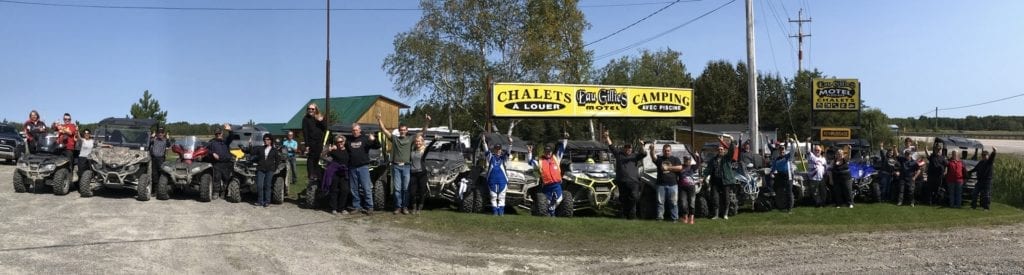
(668, 194)
(722, 197)
(629, 196)
(687, 198)
(400, 178)
(956, 193)
(156, 164)
(264, 180)
(359, 178)
(842, 191)
(291, 167)
(906, 190)
(818, 192)
(885, 181)
(983, 189)
(554, 193)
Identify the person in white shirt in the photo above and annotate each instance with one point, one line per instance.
(816, 174)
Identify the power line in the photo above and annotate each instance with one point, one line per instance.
(973, 105)
(275, 9)
(767, 30)
(778, 22)
(633, 24)
(641, 42)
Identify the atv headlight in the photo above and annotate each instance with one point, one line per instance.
(49, 167)
(23, 165)
(167, 168)
(196, 170)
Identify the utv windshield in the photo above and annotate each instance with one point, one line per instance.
(124, 136)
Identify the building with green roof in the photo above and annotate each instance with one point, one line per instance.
(352, 109)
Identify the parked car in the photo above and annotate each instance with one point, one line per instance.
(12, 144)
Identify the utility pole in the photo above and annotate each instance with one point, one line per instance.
(327, 97)
(755, 144)
(800, 38)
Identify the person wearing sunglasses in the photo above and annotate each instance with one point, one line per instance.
(313, 129)
(266, 160)
(67, 136)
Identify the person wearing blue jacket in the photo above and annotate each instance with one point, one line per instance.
(497, 177)
(782, 172)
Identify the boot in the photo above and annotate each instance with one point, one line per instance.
(501, 210)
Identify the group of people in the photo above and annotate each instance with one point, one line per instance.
(904, 171)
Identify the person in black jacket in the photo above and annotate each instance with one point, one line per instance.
(313, 129)
(158, 146)
(886, 167)
(983, 188)
(937, 163)
(220, 156)
(358, 147)
(336, 176)
(841, 180)
(266, 159)
(907, 170)
(627, 175)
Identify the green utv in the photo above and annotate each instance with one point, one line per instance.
(588, 177)
(44, 167)
(122, 161)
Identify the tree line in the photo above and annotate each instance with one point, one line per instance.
(969, 123)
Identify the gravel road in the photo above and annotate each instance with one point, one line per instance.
(114, 233)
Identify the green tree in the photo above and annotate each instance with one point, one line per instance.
(148, 108)
(717, 94)
(447, 58)
(663, 68)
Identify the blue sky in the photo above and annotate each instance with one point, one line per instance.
(221, 66)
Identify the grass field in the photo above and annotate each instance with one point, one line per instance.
(596, 233)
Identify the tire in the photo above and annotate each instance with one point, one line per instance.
(733, 207)
(277, 193)
(19, 183)
(380, 194)
(762, 204)
(61, 182)
(205, 188)
(308, 196)
(234, 192)
(163, 188)
(701, 208)
(471, 201)
(540, 204)
(876, 192)
(565, 208)
(85, 184)
(145, 188)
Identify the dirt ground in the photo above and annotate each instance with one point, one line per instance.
(114, 233)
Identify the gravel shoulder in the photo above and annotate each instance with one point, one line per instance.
(114, 233)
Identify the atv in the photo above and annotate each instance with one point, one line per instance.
(445, 164)
(588, 178)
(122, 161)
(243, 180)
(188, 173)
(44, 167)
(380, 169)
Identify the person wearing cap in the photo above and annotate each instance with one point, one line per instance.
(627, 175)
(550, 170)
(497, 177)
(723, 179)
(221, 157)
(158, 152)
(937, 164)
(782, 173)
(290, 145)
(908, 170)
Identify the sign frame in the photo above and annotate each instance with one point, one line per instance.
(548, 100)
(835, 133)
(838, 91)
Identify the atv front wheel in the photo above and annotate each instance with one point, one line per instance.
(308, 196)
(277, 195)
(205, 188)
(565, 208)
(471, 201)
(540, 204)
(61, 182)
(234, 191)
(145, 188)
(163, 188)
(380, 196)
(762, 204)
(701, 207)
(19, 183)
(85, 184)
